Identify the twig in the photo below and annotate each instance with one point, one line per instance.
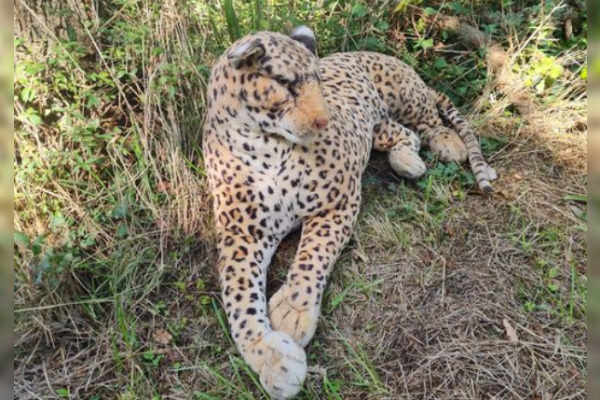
(498, 60)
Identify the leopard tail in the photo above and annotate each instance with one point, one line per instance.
(479, 166)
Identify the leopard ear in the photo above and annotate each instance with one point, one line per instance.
(306, 36)
(246, 54)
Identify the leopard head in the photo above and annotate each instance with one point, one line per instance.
(274, 86)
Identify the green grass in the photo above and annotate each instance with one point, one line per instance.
(113, 228)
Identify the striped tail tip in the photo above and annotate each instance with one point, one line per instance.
(485, 186)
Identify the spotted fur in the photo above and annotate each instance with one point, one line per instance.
(286, 140)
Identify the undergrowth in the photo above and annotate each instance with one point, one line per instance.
(112, 226)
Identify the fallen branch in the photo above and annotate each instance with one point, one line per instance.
(498, 60)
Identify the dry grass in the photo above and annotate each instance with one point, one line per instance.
(420, 305)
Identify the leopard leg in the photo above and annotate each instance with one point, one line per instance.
(402, 146)
(279, 361)
(295, 307)
(444, 142)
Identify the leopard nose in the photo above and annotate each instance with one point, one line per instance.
(320, 123)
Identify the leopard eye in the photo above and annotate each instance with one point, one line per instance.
(281, 80)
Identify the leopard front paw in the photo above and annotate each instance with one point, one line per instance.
(298, 321)
(406, 162)
(280, 363)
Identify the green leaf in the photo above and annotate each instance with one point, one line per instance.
(37, 245)
(360, 10)
(383, 25)
(430, 11)
(33, 117)
(371, 43)
(337, 300)
(119, 210)
(27, 94)
(426, 43)
(64, 393)
(148, 355)
(583, 74)
(155, 363)
(57, 220)
(33, 68)
(121, 231)
(458, 8)
(21, 239)
(71, 32)
(440, 63)
(93, 101)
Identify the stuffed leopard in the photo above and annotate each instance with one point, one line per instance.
(286, 140)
